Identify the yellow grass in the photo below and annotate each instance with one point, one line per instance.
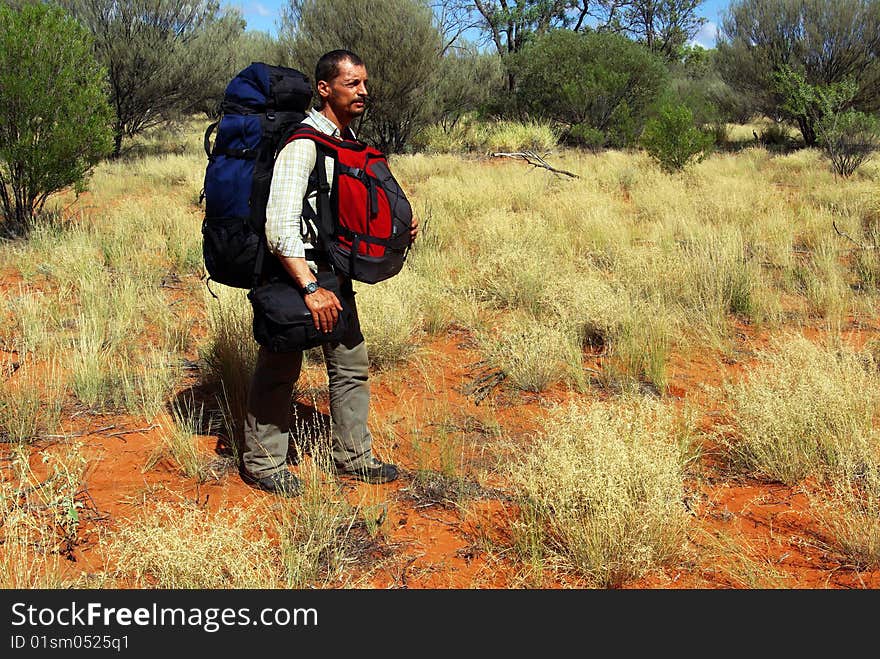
(604, 488)
(532, 271)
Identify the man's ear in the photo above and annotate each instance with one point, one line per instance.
(323, 89)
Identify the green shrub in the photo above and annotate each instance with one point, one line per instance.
(672, 139)
(848, 139)
(604, 81)
(54, 117)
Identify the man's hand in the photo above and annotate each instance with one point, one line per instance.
(414, 229)
(325, 308)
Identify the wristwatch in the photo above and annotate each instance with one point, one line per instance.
(311, 287)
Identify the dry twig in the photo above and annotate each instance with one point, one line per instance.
(850, 238)
(535, 161)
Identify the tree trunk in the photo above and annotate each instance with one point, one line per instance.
(808, 130)
(117, 143)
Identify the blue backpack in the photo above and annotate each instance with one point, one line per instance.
(261, 107)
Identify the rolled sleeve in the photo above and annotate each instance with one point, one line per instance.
(290, 179)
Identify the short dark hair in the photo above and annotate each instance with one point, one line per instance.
(327, 67)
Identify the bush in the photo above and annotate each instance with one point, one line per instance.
(602, 81)
(673, 140)
(587, 136)
(54, 117)
(848, 139)
(166, 58)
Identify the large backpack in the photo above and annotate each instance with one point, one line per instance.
(364, 218)
(261, 107)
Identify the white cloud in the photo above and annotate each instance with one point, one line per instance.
(706, 36)
(260, 9)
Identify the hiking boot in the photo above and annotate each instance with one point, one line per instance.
(282, 482)
(375, 472)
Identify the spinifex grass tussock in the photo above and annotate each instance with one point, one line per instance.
(508, 136)
(823, 281)
(182, 546)
(391, 319)
(27, 545)
(807, 411)
(603, 490)
(31, 400)
(533, 354)
(849, 515)
(736, 559)
(34, 324)
(229, 355)
(321, 536)
(317, 536)
(108, 379)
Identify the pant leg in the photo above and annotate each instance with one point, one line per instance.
(268, 408)
(347, 371)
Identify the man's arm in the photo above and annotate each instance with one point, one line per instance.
(290, 181)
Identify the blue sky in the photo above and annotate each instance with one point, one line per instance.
(264, 15)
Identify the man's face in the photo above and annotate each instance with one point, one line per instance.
(347, 92)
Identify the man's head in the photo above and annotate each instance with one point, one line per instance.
(341, 82)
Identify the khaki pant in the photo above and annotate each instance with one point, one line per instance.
(266, 426)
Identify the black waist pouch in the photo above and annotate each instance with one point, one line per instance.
(283, 322)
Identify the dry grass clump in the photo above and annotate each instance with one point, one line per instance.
(533, 354)
(808, 411)
(469, 136)
(179, 443)
(181, 546)
(31, 400)
(321, 538)
(391, 319)
(229, 355)
(849, 514)
(603, 490)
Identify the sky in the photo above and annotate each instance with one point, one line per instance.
(264, 15)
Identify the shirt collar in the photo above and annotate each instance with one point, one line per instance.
(323, 124)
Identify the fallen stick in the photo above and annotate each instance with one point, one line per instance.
(535, 161)
(129, 432)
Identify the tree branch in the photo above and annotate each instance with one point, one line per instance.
(535, 161)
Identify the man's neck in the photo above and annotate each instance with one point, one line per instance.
(328, 112)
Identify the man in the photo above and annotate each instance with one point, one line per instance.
(341, 85)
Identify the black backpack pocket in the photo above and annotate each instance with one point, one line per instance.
(229, 246)
(283, 322)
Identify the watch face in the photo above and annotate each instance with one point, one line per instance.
(311, 287)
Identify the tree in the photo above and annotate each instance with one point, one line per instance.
(847, 137)
(396, 39)
(826, 42)
(255, 46)
(165, 58)
(510, 23)
(664, 26)
(465, 81)
(54, 116)
(601, 82)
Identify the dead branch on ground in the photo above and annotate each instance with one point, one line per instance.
(534, 160)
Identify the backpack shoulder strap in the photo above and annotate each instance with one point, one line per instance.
(304, 131)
